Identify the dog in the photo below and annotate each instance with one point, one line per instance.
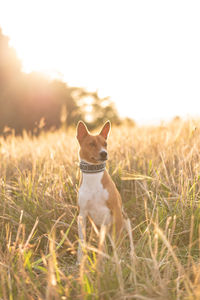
(98, 197)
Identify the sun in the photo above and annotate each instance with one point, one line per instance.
(37, 50)
(46, 37)
(58, 39)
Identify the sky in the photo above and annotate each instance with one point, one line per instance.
(144, 54)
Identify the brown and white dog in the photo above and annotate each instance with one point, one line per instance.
(98, 197)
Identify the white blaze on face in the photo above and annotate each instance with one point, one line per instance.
(103, 149)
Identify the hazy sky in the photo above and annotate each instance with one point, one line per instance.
(144, 54)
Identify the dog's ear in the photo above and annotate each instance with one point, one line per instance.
(82, 131)
(105, 130)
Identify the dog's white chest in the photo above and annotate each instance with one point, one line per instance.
(92, 199)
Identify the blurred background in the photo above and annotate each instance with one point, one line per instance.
(128, 61)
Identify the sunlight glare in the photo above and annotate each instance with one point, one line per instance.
(144, 54)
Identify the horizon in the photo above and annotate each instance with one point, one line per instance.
(145, 56)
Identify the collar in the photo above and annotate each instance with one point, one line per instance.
(89, 168)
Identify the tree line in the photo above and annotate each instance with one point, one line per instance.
(31, 101)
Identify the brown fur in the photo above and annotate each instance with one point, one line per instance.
(90, 146)
(114, 202)
(91, 149)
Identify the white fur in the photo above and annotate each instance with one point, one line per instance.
(103, 149)
(92, 198)
(92, 201)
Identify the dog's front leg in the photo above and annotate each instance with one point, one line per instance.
(81, 234)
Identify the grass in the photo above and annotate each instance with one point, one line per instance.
(157, 171)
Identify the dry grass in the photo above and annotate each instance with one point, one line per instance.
(156, 169)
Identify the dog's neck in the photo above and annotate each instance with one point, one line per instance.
(91, 168)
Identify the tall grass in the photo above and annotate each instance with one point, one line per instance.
(157, 171)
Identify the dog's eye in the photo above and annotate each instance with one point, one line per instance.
(105, 144)
(92, 144)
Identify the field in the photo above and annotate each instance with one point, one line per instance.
(157, 171)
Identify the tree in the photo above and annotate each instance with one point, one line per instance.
(10, 72)
(10, 66)
(100, 110)
(26, 99)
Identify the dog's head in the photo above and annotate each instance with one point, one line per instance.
(93, 148)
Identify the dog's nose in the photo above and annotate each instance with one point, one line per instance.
(103, 155)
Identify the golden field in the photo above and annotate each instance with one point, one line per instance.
(157, 171)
